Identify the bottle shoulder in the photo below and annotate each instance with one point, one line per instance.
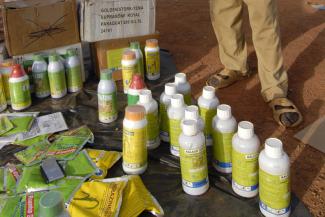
(208, 103)
(55, 66)
(225, 126)
(192, 142)
(73, 61)
(106, 86)
(134, 124)
(246, 145)
(276, 166)
(176, 113)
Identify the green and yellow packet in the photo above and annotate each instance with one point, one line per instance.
(5, 125)
(34, 153)
(69, 186)
(137, 199)
(82, 131)
(29, 204)
(22, 122)
(81, 166)
(9, 206)
(104, 160)
(98, 198)
(2, 179)
(32, 141)
(13, 176)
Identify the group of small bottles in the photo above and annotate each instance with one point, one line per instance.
(52, 79)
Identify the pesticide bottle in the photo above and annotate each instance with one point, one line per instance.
(224, 127)
(192, 113)
(136, 86)
(170, 89)
(152, 59)
(6, 68)
(74, 78)
(135, 47)
(56, 75)
(274, 180)
(19, 89)
(193, 159)
(40, 77)
(107, 98)
(183, 87)
(208, 104)
(245, 149)
(176, 113)
(3, 100)
(129, 68)
(135, 140)
(152, 117)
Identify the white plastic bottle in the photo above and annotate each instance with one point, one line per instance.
(224, 127)
(192, 113)
(107, 98)
(135, 155)
(56, 75)
(183, 87)
(151, 106)
(129, 68)
(152, 55)
(176, 113)
(245, 150)
(208, 104)
(164, 102)
(74, 76)
(40, 77)
(135, 47)
(274, 180)
(193, 159)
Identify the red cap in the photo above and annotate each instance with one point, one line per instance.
(17, 71)
(137, 82)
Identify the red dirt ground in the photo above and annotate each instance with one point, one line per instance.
(186, 31)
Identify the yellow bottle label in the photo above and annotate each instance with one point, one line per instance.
(153, 126)
(188, 99)
(107, 106)
(164, 122)
(207, 116)
(127, 73)
(174, 131)
(222, 146)
(245, 170)
(274, 192)
(194, 167)
(152, 63)
(134, 147)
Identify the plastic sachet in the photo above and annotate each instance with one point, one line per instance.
(12, 177)
(81, 166)
(32, 141)
(5, 125)
(104, 160)
(9, 205)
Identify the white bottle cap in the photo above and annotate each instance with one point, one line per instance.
(180, 78)
(208, 92)
(192, 112)
(245, 130)
(170, 89)
(273, 148)
(189, 127)
(177, 100)
(145, 96)
(224, 112)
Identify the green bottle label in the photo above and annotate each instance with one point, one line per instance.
(57, 83)
(164, 122)
(74, 78)
(5, 79)
(127, 73)
(174, 131)
(222, 148)
(194, 167)
(207, 116)
(41, 82)
(107, 106)
(140, 66)
(153, 126)
(3, 100)
(152, 63)
(20, 94)
(245, 170)
(188, 99)
(274, 192)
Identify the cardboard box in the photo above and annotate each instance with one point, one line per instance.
(27, 59)
(108, 54)
(34, 25)
(113, 19)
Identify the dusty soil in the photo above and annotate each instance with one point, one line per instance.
(186, 31)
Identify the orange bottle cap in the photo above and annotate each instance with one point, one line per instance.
(152, 43)
(128, 55)
(135, 112)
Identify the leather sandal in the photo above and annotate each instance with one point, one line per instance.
(225, 78)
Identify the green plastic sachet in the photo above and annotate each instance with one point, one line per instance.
(81, 165)
(34, 153)
(13, 175)
(9, 206)
(5, 125)
(21, 124)
(32, 141)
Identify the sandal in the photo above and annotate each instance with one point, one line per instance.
(285, 113)
(225, 78)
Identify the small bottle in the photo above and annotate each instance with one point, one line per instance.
(208, 104)
(245, 148)
(107, 98)
(129, 64)
(176, 112)
(135, 47)
(19, 89)
(183, 87)
(152, 59)
(193, 159)
(224, 127)
(3, 101)
(52, 204)
(274, 180)
(152, 117)
(170, 90)
(136, 86)
(135, 140)
(56, 75)
(6, 68)
(192, 113)
(74, 76)
(40, 77)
